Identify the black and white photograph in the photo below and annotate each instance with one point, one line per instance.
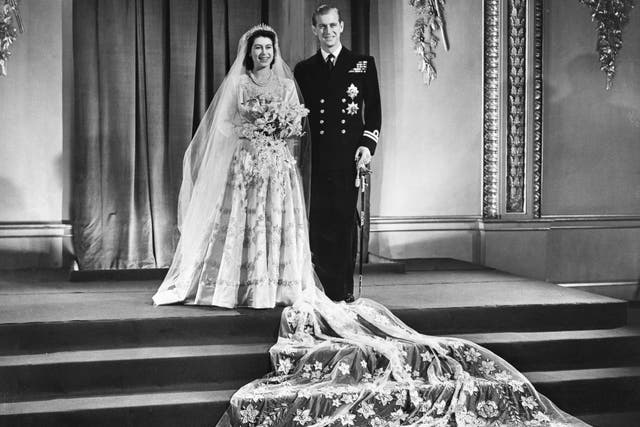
(314, 213)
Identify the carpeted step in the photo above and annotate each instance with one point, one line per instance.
(157, 409)
(121, 369)
(232, 326)
(575, 391)
(584, 391)
(219, 327)
(558, 350)
(117, 370)
(510, 318)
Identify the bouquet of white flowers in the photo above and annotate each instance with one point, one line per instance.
(273, 124)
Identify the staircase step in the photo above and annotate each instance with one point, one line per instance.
(583, 391)
(220, 327)
(34, 375)
(92, 354)
(177, 408)
(575, 391)
(224, 326)
(113, 370)
(557, 350)
(516, 318)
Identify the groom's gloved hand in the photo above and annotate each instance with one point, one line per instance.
(363, 157)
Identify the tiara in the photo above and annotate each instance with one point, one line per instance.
(257, 28)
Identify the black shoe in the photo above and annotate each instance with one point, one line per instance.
(349, 298)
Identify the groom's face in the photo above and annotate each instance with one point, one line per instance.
(328, 29)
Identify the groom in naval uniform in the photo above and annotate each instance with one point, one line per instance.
(340, 88)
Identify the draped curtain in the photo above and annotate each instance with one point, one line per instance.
(145, 72)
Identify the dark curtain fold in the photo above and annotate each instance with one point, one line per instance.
(220, 25)
(360, 11)
(145, 72)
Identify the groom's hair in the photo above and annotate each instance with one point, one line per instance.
(248, 59)
(324, 9)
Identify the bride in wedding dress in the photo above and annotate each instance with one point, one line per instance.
(242, 218)
(244, 243)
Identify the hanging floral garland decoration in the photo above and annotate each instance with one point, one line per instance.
(611, 17)
(430, 21)
(9, 12)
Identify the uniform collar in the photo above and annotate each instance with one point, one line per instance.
(335, 54)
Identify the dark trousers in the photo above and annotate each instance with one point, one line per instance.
(333, 230)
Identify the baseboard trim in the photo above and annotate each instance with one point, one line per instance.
(424, 219)
(466, 223)
(389, 223)
(599, 217)
(35, 230)
(383, 224)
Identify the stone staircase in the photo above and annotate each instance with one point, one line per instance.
(181, 371)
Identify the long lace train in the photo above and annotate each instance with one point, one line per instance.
(338, 364)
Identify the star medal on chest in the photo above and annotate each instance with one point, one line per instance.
(352, 91)
(352, 107)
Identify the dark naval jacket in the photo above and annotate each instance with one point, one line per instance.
(344, 106)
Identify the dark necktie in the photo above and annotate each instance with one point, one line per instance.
(330, 58)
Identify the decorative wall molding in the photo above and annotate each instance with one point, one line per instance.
(423, 219)
(516, 106)
(592, 217)
(35, 245)
(385, 224)
(540, 248)
(34, 230)
(513, 108)
(547, 227)
(491, 109)
(537, 107)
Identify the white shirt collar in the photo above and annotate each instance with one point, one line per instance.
(335, 54)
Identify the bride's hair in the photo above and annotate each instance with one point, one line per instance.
(248, 59)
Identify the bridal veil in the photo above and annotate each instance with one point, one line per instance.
(205, 166)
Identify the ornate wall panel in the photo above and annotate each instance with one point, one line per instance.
(512, 168)
(537, 108)
(491, 114)
(516, 105)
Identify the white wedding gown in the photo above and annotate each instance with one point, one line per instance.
(257, 252)
(334, 364)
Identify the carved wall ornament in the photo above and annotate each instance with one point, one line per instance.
(491, 109)
(610, 16)
(9, 12)
(429, 22)
(516, 105)
(537, 107)
(512, 108)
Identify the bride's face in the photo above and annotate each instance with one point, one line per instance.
(262, 53)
